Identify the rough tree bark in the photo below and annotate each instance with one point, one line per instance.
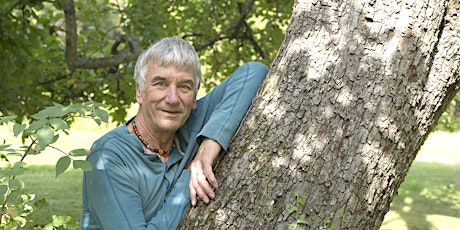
(353, 93)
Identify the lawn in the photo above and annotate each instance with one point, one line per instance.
(428, 199)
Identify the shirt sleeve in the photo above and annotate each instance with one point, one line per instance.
(228, 103)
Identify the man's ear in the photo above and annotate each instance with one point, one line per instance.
(138, 95)
(194, 103)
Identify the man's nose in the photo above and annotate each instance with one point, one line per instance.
(172, 96)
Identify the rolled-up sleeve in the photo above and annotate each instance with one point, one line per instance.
(230, 101)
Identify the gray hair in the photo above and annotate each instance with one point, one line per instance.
(167, 52)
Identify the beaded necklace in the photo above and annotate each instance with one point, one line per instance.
(147, 145)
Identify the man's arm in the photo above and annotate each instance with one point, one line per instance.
(203, 177)
(225, 107)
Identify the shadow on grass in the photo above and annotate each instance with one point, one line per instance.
(429, 197)
(63, 193)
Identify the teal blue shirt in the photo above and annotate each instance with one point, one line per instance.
(129, 188)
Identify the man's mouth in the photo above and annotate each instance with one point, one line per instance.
(170, 111)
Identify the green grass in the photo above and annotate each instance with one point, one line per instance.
(428, 199)
(63, 193)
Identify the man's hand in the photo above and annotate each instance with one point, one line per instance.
(201, 175)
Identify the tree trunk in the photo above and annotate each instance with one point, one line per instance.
(352, 95)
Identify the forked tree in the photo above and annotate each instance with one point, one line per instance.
(355, 90)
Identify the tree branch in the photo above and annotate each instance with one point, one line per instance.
(234, 25)
(71, 35)
(250, 37)
(72, 60)
(113, 60)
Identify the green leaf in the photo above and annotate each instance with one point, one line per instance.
(292, 209)
(3, 189)
(79, 152)
(37, 149)
(40, 203)
(45, 135)
(37, 125)
(16, 184)
(52, 111)
(14, 154)
(17, 169)
(20, 221)
(85, 165)
(58, 105)
(59, 220)
(98, 121)
(74, 108)
(4, 147)
(13, 197)
(58, 123)
(87, 103)
(100, 105)
(301, 200)
(104, 115)
(55, 138)
(18, 128)
(302, 220)
(62, 164)
(7, 118)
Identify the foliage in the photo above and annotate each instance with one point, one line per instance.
(41, 131)
(450, 119)
(299, 201)
(33, 67)
(225, 34)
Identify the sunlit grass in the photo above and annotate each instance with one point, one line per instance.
(429, 197)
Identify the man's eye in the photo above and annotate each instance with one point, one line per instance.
(160, 84)
(185, 87)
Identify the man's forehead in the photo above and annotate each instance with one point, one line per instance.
(157, 72)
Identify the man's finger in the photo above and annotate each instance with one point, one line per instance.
(192, 193)
(199, 184)
(211, 179)
(206, 188)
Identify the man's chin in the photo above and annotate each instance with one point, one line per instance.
(172, 126)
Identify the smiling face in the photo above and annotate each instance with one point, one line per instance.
(167, 99)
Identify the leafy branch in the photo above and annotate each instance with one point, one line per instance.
(41, 132)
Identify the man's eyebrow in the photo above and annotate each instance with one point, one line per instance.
(160, 78)
(157, 78)
(187, 81)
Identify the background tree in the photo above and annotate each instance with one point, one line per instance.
(349, 100)
(73, 51)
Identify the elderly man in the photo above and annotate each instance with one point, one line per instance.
(147, 171)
